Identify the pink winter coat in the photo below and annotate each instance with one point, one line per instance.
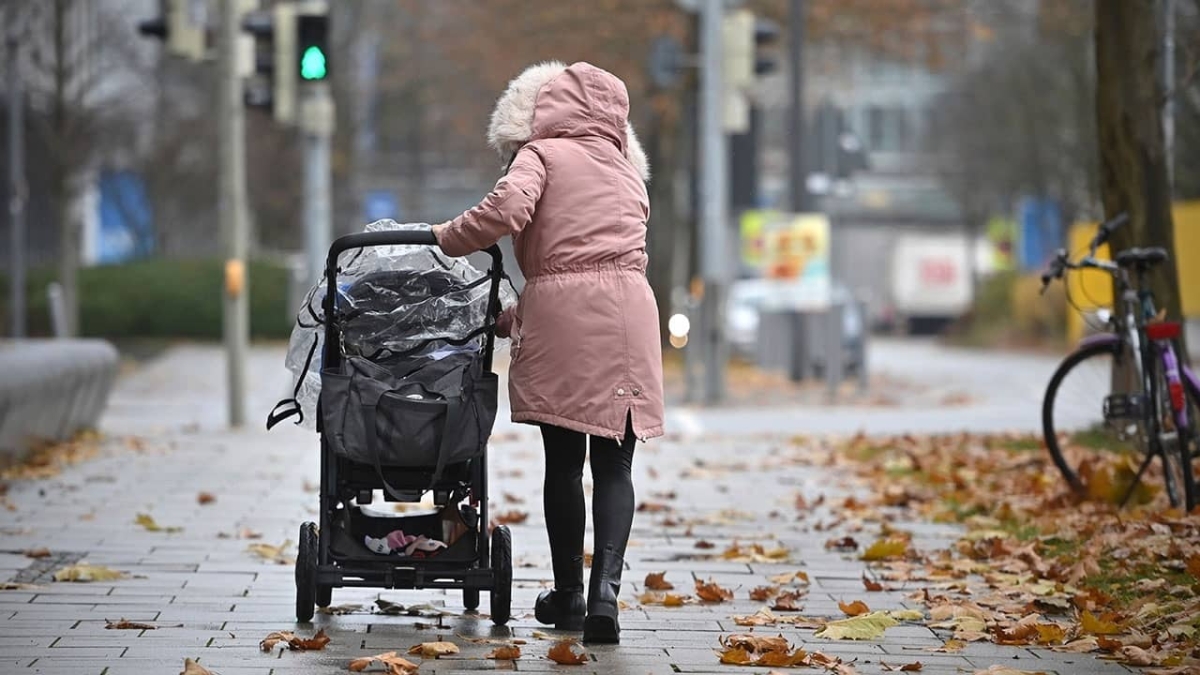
(586, 351)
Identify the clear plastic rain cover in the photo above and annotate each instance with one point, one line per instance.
(393, 301)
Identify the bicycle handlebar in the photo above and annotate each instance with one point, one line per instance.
(1062, 261)
(1105, 231)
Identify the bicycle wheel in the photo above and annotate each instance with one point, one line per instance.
(1180, 446)
(1078, 437)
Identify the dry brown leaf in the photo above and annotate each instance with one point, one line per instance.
(756, 643)
(790, 577)
(656, 581)
(35, 553)
(702, 544)
(653, 507)
(504, 653)
(673, 600)
(787, 602)
(906, 668)
(1136, 656)
(205, 498)
(395, 665)
(856, 608)
(763, 593)
(736, 657)
(511, 517)
(871, 585)
(128, 625)
(86, 572)
(294, 642)
(433, 650)
(276, 554)
(190, 667)
(563, 653)
(712, 592)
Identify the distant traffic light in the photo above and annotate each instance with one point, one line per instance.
(180, 25)
(273, 85)
(766, 35)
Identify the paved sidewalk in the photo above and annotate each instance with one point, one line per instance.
(214, 601)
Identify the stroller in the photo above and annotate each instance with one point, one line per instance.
(407, 422)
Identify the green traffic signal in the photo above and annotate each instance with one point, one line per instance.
(312, 64)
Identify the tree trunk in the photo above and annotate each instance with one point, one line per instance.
(1133, 168)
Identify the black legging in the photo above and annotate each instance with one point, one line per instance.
(612, 495)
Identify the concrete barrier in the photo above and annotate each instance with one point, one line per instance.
(51, 389)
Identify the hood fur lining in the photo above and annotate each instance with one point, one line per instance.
(511, 124)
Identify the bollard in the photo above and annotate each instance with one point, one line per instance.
(835, 349)
(58, 311)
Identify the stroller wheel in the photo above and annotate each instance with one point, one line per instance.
(471, 599)
(502, 573)
(306, 573)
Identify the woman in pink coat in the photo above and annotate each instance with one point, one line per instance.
(586, 351)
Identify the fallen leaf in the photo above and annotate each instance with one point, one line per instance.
(736, 657)
(276, 554)
(294, 642)
(389, 607)
(856, 608)
(511, 517)
(433, 650)
(1136, 656)
(396, 665)
(147, 521)
(787, 602)
(673, 600)
(1050, 634)
(656, 581)
(711, 592)
(86, 572)
(906, 614)
(653, 507)
(865, 627)
(349, 608)
(563, 653)
(1193, 565)
(504, 653)
(205, 498)
(756, 643)
(763, 593)
(1080, 646)
(128, 625)
(35, 553)
(190, 667)
(950, 647)
(702, 544)
(790, 577)
(886, 549)
(906, 668)
(871, 585)
(17, 586)
(1005, 670)
(1089, 623)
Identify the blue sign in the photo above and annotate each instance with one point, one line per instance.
(1040, 232)
(381, 204)
(125, 231)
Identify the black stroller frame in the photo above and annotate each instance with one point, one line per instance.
(319, 569)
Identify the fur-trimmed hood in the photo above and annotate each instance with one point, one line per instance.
(551, 100)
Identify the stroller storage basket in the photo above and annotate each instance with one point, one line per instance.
(439, 414)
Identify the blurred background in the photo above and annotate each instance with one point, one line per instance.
(911, 163)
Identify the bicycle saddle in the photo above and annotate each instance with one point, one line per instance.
(1142, 257)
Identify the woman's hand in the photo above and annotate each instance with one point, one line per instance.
(437, 231)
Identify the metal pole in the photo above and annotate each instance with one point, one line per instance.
(714, 204)
(797, 175)
(17, 185)
(233, 211)
(317, 123)
(1169, 87)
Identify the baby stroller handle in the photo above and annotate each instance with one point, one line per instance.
(393, 238)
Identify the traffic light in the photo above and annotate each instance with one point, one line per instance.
(766, 35)
(312, 46)
(181, 25)
(273, 84)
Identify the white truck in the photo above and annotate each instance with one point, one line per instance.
(930, 280)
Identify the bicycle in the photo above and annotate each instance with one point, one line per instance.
(1155, 409)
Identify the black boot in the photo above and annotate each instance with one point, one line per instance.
(601, 625)
(564, 607)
